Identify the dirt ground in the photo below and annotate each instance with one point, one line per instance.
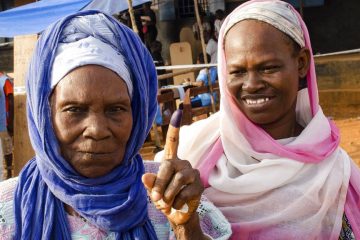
(350, 137)
(349, 132)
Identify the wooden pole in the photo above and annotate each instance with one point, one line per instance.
(132, 17)
(203, 46)
(135, 29)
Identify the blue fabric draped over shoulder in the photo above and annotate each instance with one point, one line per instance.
(115, 202)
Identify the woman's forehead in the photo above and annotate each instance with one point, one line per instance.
(279, 14)
(254, 32)
(91, 79)
(250, 27)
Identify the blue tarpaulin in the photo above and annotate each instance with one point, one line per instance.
(35, 17)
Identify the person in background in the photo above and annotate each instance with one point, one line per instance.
(155, 50)
(205, 24)
(219, 19)
(91, 100)
(6, 121)
(211, 46)
(124, 18)
(270, 159)
(149, 29)
(204, 99)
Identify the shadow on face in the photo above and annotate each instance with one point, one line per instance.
(263, 72)
(92, 119)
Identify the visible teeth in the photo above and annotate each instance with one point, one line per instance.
(258, 101)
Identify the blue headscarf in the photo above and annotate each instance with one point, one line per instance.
(115, 202)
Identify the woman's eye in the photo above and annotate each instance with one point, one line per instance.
(238, 72)
(270, 69)
(116, 109)
(75, 109)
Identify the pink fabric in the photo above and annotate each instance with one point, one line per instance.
(314, 152)
(209, 162)
(352, 206)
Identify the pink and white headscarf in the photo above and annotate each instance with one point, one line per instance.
(296, 188)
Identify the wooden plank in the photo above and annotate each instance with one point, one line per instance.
(187, 35)
(23, 50)
(22, 2)
(180, 53)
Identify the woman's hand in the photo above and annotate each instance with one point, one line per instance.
(177, 186)
(176, 189)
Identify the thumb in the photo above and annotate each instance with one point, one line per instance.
(148, 180)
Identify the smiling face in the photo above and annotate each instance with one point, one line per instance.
(263, 72)
(92, 118)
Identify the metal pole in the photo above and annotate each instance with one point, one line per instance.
(196, 6)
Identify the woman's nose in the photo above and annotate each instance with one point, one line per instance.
(253, 83)
(96, 127)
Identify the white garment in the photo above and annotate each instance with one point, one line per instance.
(211, 49)
(244, 182)
(217, 26)
(305, 198)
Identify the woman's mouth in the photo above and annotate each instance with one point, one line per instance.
(258, 101)
(94, 153)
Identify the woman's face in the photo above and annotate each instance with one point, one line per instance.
(92, 118)
(263, 72)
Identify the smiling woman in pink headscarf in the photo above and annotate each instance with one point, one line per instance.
(270, 159)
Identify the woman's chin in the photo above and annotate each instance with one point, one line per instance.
(95, 165)
(94, 172)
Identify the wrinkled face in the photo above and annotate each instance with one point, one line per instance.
(263, 71)
(92, 118)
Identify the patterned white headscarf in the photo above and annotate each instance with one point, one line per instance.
(87, 51)
(278, 14)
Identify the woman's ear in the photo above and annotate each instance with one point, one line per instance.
(304, 62)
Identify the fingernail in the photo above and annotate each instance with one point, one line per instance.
(162, 204)
(183, 209)
(155, 195)
(175, 120)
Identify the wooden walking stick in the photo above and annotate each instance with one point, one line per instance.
(132, 18)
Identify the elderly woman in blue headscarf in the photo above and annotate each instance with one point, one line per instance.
(91, 91)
